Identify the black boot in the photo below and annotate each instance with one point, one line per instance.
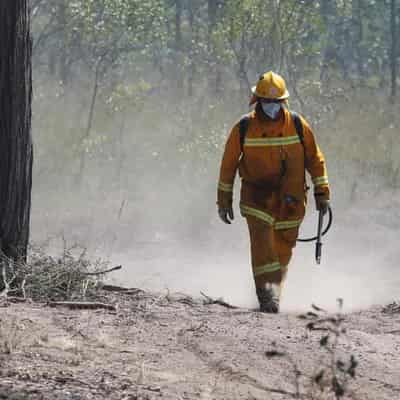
(268, 297)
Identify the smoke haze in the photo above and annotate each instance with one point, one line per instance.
(148, 202)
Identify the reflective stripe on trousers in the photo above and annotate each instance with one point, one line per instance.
(225, 187)
(268, 218)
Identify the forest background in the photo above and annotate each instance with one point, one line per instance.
(133, 100)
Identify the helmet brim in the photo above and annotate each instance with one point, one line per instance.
(256, 96)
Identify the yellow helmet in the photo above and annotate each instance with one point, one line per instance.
(270, 86)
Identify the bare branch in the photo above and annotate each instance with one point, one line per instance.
(103, 272)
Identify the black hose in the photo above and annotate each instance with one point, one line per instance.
(324, 232)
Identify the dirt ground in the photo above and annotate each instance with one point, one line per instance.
(171, 346)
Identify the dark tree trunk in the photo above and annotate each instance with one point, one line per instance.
(15, 127)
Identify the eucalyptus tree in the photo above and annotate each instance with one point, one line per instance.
(15, 127)
(108, 34)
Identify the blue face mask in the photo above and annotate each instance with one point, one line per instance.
(271, 109)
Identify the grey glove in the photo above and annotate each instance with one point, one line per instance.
(224, 213)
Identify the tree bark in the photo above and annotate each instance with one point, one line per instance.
(15, 127)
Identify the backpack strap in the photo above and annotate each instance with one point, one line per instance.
(300, 132)
(299, 126)
(243, 127)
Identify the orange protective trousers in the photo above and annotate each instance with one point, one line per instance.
(269, 246)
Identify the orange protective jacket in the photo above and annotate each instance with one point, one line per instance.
(272, 167)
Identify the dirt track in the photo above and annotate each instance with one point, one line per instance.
(174, 347)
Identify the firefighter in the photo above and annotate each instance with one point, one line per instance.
(272, 148)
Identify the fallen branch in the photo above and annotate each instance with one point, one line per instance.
(316, 308)
(396, 331)
(187, 300)
(209, 300)
(63, 379)
(82, 305)
(103, 272)
(13, 299)
(120, 289)
(392, 308)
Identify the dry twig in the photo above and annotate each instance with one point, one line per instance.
(103, 272)
(209, 300)
(82, 305)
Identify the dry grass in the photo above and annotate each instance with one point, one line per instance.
(70, 276)
(12, 334)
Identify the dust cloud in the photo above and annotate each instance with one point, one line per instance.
(357, 266)
(158, 217)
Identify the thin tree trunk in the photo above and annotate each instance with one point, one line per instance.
(192, 65)
(15, 127)
(63, 62)
(89, 122)
(245, 86)
(328, 11)
(393, 53)
(281, 38)
(178, 42)
(358, 34)
(121, 150)
(211, 62)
